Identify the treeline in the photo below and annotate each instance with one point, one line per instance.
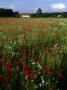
(39, 13)
(8, 13)
(47, 15)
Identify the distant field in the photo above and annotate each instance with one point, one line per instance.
(33, 53)
(17, 26)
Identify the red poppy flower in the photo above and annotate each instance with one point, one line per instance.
(6, 79)
(32, 74)
(21, 49)
(7, 73)
(60, 74)
(1, 78)
(24, 54)
(21, 58)
(26, 70)
(8, 66)
(16, 64)
(47, 69)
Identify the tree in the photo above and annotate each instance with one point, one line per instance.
(8, 13)
(16, 14)
(39, 11)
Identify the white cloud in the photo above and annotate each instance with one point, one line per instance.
(58, 6)
(11, 6)
(14, 6)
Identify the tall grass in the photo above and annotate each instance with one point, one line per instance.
(34, 52)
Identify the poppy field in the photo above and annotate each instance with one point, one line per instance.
(33, 54)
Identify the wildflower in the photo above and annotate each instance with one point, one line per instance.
(32, 74)
(1, 78)
(42, 79)
(33, 63)
(24, 53)
(8, 66)
(7, 73)
(6, 79)
(39, 66)
(60, 74)
(26, 77)
(56, 45)
(20, 58)
(47, 69)
(16, 64)
(21, 49)
(26, 70)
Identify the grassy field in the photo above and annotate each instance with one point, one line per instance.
(33, 53)
(17, 27)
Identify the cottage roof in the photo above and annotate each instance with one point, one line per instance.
(24, 13)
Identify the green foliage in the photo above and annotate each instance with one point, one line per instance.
(49, 15)
(8, 13)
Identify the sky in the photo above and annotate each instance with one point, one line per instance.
(32, 5)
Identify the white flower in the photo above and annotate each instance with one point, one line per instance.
(12, 69)
(10, 47)
(33, 63)
(13, 53)
(26, 77)
(14, 42)
(32, 80)
(58, 89)
(40, 84)
(39, 66)
(42, 79)
(55, 45)
(35, 86)
(60, 51)
(21, 73)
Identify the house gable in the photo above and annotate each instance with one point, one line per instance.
(24, 15)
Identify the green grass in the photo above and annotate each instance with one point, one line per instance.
(45, 32)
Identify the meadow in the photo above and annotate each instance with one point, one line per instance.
(33, 53)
